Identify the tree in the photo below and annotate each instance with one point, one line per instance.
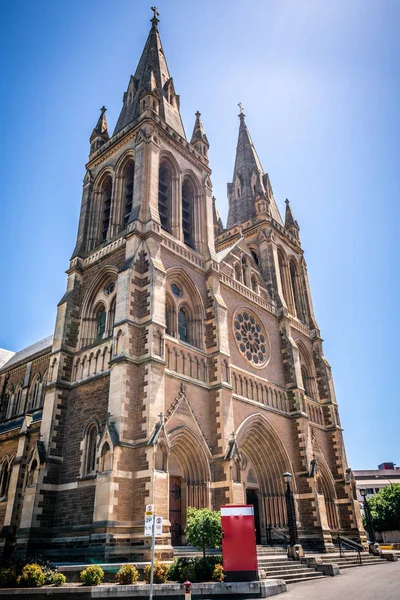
(385, 508)
(203, 528)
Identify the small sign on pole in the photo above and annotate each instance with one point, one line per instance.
(148, 525)
(159, 524)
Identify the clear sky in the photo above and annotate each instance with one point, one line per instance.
(319, 82)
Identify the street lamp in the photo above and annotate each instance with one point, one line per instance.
(291, 512)
(368, 517)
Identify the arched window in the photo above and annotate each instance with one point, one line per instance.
(31, 479)
(18, 408)
(4, 478)
(183, 325)
(35, 392)
(169, 317)
(90, 450)
(7, 400)
(295, 289)
(244, 270)
(307, 382)
(187, 213)
(106, 192)
(282, 276)
(255, 256)
(105, 458)
(101, 316)
(111, 317)
(165, 196)
(129, 175)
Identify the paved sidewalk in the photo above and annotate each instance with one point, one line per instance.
(380, 582)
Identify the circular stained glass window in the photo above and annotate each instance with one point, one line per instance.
(251, 338)
(110, 287)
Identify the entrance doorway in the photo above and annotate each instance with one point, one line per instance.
(175, 513)
(252, 498)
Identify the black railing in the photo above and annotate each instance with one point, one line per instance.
(276, 537)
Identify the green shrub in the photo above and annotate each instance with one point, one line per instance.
(218, 574)
(203, 528)
(195, 570)
(8, 577)
(32, 576)
(92, 575)
(127, 575)
(161, 572)
(48, 575)
(58, 579)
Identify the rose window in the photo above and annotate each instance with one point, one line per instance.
(251, 338)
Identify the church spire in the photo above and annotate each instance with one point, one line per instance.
(247, 178)
(291, 225)
(151, 88)
(100, 132)
(249, 183)
(199, 139)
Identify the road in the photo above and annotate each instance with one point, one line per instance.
(377, 582)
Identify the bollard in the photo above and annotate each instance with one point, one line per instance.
(187, 586)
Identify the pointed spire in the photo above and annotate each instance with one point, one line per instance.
(199, 139)
(247, 183)
(218, 226)
(290, 222)
(100, 132)
(151, 88)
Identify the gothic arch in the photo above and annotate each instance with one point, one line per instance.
(191, 300)
(326, 486)
(308, 372)
(104, 185)
(94, 296)
(192, 454)
(259, 442)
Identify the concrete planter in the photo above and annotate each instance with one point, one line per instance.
(174, 591)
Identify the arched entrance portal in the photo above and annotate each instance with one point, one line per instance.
(189, 480)
(326, 488)
(264, 460)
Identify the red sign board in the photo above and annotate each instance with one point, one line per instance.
(239, 551)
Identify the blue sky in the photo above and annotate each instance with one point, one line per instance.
(319, 82)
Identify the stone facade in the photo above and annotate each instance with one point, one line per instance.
(186, 366)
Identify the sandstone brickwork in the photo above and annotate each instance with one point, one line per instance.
(186, 366)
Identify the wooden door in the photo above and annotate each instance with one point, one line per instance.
(175, 515)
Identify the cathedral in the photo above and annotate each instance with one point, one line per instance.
(186, 367)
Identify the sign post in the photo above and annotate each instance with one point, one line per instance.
(152, 527)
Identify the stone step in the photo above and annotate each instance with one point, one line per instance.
(286, 568)
(289, 577)
(312, 578)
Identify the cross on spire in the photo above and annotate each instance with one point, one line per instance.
(154, 20)
(241, 114)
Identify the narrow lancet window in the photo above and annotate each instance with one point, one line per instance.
(107, 192)
(128, 183)
(187, 213)
(164, 196)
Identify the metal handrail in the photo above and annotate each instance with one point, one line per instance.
(277, 534)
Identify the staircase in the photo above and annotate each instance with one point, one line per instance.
(291, 571)
(352, 559)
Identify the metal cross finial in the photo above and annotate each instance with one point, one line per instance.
(240, 105)
(233, 435)
(155, 11)
(103, 109)
(161, 415)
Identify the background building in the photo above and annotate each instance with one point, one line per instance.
(186, 366)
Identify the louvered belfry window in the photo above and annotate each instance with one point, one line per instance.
(187, 213)
(107, 191)
(164, 197)
(129, 182)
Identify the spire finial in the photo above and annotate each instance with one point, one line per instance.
(241, 114)
(197, 114)
(287, 201)
(103, 110)
(154, 20)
